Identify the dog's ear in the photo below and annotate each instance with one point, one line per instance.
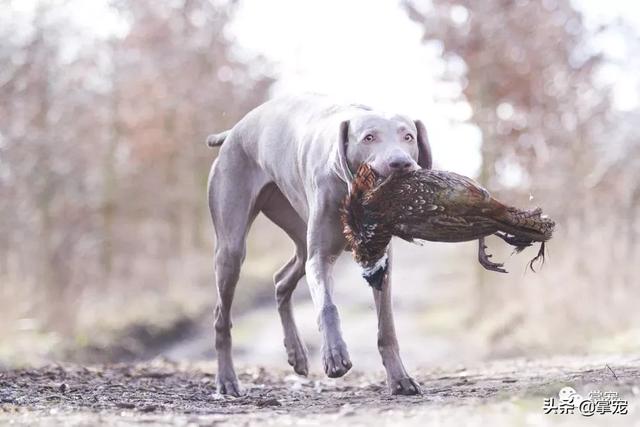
(343, 163)
(425, 160)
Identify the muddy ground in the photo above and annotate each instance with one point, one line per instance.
(458, 389)
(509, 392)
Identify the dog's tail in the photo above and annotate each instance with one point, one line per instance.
(217, 139)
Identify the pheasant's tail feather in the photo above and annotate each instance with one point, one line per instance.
(519, 243)
(520, 248)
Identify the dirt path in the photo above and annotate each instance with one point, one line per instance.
(257, 333)
(460, 392)
(507, 392)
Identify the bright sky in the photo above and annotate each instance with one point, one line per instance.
(361, 51)
(370, 52)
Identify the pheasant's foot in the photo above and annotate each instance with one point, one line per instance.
(483, 258)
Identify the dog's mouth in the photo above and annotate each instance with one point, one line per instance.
(372, 169)
(372, 176)
(382, 176)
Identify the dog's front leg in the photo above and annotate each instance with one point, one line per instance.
(324, 244)
(398, 380)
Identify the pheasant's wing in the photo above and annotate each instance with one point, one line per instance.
(445, 228)
(402, 197)
(423, 194)
(465, 197)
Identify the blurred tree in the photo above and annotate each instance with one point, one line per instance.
(48, 214)
(181, 83)
(102, 158)
(531, 76)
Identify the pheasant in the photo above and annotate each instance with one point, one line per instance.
(436, 206)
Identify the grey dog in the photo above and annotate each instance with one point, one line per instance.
(292, 159)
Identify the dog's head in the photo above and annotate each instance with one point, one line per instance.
(390, 144)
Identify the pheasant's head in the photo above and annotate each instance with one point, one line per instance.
(366, 232)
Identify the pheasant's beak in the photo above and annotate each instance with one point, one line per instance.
(375, 275)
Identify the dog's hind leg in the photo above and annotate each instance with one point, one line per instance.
(235, 187)
(278, 209)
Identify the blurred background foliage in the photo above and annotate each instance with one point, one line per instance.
(105, 239)
(103, 166)
(530, 72)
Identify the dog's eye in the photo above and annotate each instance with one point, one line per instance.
(408, 137)
(369, 138)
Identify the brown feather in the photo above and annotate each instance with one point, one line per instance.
(435, 206)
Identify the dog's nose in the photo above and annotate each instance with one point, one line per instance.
(400, 165)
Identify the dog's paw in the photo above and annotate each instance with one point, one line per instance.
(336, 359)
(228, 385)
(297, 356)
(405, 386)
